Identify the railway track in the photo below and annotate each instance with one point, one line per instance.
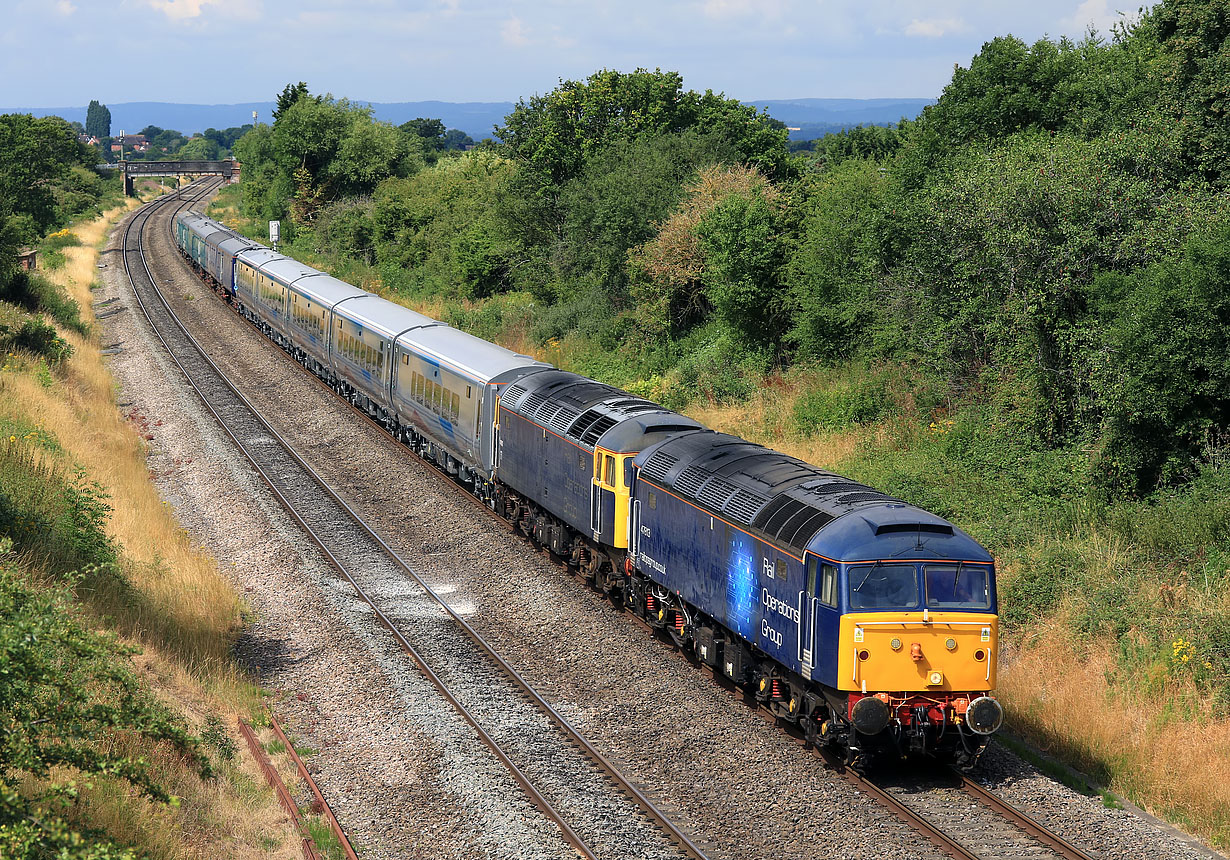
(959, 816)
(597, 810)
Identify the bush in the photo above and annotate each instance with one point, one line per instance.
(858, 402)
(54, 518)
(70, 704)
(38, 295)
(1165, 380)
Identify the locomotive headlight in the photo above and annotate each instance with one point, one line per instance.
(951, 644)
(895, 644)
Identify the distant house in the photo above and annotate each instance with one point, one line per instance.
(27, 258)
(132, 143)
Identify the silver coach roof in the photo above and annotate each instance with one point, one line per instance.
(236, 244)
(324, 289)
(382, 316)
(203, 226)
(286, 270)
(468, 353)
(259, 256)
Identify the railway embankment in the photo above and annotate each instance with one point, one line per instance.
(118, 626)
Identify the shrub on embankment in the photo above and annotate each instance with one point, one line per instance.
(115, 630)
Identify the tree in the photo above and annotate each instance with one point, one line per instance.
(200, 149)
(553, 135)
(741, 239)
(38, 151)
(290, 94)
(97, 120)
(614, 204)
(1165, 369)
(668, 272)
(1194, 68)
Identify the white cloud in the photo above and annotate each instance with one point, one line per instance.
(64, 8)
(514, 32)
(184, 10)
(720, 10)
(1099, 14)
(933, 28)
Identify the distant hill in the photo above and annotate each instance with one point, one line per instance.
(818, 117)
(814, 117)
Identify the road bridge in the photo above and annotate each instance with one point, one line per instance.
(228, 168)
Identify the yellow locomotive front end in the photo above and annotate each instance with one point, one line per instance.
(917, 646)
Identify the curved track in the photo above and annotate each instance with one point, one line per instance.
(598, 811)
(957, 815)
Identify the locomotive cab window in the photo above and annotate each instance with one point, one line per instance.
(608, 470)
(958, 586)
(883, 586)
(653, 501)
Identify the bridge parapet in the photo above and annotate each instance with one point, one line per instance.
(228, 168)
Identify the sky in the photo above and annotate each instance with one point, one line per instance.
(62, 53)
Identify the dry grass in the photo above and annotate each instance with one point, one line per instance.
(1057, 694)
(190, 609)
(186, 618)
(764, 418)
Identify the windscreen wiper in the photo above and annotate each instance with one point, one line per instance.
(869, 573)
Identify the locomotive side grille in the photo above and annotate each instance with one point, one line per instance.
(689, 480)
(716, 492)
(743, 506)
(595, 431)
(658, 465)
(532, 403)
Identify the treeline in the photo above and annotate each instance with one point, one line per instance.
(46, 178)
(1049, 241)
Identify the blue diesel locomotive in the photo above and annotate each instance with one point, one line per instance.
(868, 623)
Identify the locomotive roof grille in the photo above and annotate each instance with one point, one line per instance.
(583, 423)
(821, 488)
(512, 395)
(532, 403)
(716, 492)
(872, 496)
(743, 506)
(808, 528)
(690, 479)
(563, 417)
(595, 431)
(658, 465)
(774, 516)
